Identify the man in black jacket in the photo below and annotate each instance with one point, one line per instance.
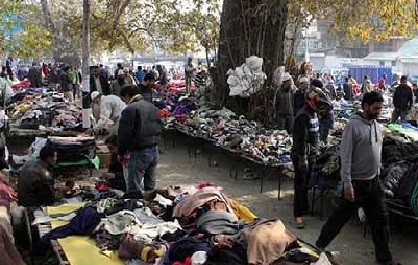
(36, 185)
(403, 99)
(299, 97)
(146, 88)
(98, 82)
(305, 149)
(138, 134)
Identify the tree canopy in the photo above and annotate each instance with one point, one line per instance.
(368, 20)
(176, 26)
(180, 26)
(21, 33)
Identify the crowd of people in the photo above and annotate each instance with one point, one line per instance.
(303, 107)
(305, 110)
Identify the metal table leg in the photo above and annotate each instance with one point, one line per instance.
(279, 184)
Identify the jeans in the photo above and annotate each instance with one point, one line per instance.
(300, 199)
(370, 195)
(141, 170)
(399, 113)
(76, 90)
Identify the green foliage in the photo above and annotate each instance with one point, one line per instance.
(142, 25)
(367, 20)
(33, 40)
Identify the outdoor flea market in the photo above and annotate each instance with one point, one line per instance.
(97, 191)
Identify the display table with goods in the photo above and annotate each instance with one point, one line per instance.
(181, 225)
(246, 141)
(45, 113)
(73, 153)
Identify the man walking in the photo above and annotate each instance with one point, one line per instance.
(138, 136)
(361, 149)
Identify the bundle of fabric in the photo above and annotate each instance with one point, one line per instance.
(232, 240)
(401, 180)
(397, 148)
(8, 206)
(246, 79)
(406, 131)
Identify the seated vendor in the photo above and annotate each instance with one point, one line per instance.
(35, 184)
(114, 176)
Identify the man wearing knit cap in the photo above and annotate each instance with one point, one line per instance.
(299, 96)
(284, 103)
(305, 149)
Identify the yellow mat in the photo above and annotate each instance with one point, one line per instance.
(80, 250)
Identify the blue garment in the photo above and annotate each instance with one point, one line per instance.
(140, 75)
(141, 170)
(82, 224)
(181, 109)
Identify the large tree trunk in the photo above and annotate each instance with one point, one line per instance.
(249, 28)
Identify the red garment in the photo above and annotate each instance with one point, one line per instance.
(45, 70)
(23, 84)
(201, 185)
(8, 252)
(188, 261)
(165, 113)
(6, 192)
(356, 89)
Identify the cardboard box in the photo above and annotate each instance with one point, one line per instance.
(104, 160)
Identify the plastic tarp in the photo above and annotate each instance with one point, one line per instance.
(74, 245)
(246, 79)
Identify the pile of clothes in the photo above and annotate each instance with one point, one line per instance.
(174, 227)
(246, 79)
(250, 138)
(400, 172)
(45, 112)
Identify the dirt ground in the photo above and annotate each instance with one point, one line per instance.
(176, 167)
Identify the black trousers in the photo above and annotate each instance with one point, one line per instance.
(300, 199)
(370, 195)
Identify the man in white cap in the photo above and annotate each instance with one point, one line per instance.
(110, 109)
(284, 103)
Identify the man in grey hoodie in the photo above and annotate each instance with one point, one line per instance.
(361, 149)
